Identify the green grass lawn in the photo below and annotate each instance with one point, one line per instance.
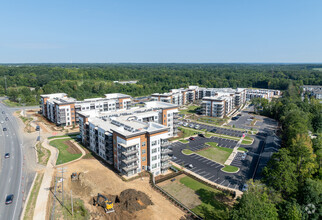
(211, 207)
(246, 142)
(216, 153)
(62, 136)
(248, 138)
(230, 169)
(184, 141)
(187, 151)
(242, 149)
(190, 110)
(212, 120)
(64, 156)
(188, 132)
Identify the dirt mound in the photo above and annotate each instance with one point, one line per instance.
(132, 200)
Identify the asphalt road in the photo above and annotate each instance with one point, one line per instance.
(16, 172)
(11, 168)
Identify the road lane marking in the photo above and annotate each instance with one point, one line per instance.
(222, 182)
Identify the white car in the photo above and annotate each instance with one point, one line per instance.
(190, 166)
(2, 122)
(197, 127)
(185, 124)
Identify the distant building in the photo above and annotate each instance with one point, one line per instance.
(126, 82)
(62, 110)
(132, 140)
(262, 93)
(315, 91)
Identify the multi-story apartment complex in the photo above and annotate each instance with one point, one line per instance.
(262, 93)
(217, 106)
(132, 140)
(62, 110)
(315, 91)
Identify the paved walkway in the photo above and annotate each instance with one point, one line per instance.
(234, 152)
(42, 199)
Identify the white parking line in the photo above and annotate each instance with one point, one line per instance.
(201, 172)
(210, 177)
(209, 162)
(221, 182)
(197, 170)
(206, 175)
(216, 179)
(213, 164)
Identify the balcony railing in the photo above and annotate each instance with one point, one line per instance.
(129, 168)
(165, 165)
(166, 151)
(130, 152)
(165, 158)
(129, 160)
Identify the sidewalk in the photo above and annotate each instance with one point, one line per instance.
(42, 199)
(41, 204)
(234, 153)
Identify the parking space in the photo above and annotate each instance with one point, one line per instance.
(214, 129)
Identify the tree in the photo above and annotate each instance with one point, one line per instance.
(303, 156)
(255, 204)
(280, 173)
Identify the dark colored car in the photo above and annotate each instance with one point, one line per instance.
(234, 118)
(192, 138)
(252, 117)
(7, 155)
(9, 199)
(4, 129)
(2, 112)
(7, 118)
(37, 128)
(201, 135)
(239, 115)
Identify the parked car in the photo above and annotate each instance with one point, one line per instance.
(37, 128)
(180, 123)
(197, 127)
(190, 166)
(9, 199)
(239, 115)
(245, 187)
(191, 125)
(244, 156)
(201, 135)
(192, 138)
(4, 129)
(185, 124)
(7, 155)
(7, 119)
(2, 112)
(252, 117)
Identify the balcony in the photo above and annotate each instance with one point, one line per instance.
(165, 143)
(165, 165)
(165, 158)
(129, 152)
(129, 160)
(166, 151)
(129, 168)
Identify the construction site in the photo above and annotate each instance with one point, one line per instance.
(105, 195)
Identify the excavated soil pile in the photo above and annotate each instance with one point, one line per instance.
(131, 200)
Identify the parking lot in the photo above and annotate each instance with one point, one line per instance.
(210, 169)
(214, 129)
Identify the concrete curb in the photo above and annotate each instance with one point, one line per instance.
(27, 200)
(230, 172)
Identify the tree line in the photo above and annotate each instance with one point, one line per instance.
(291, 186)
(93, 80)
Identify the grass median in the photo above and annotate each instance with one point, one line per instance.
(230, 169)
(31, 203)
(67, 152)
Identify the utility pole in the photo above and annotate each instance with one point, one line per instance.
(71, 198)
(62, 170)
(53, 211)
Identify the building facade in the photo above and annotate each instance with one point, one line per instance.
(63, 110)
(131, 140)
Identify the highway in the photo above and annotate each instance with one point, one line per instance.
(12, 172)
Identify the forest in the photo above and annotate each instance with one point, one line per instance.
(23, 83)
(291, 187)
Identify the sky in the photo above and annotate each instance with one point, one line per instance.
(164, 31)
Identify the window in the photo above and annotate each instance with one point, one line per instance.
(169, 115)
(154, 158)
(154, 165)
(154, 150)
(143, 151)
(143, 158)
(154, 143)
(143, 143)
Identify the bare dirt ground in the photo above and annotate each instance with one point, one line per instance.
(97, 178)
(72, 148)
(184, 194)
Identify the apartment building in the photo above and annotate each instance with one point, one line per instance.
(63, 110)
(217, 106)
(132, 140)
(312, 90)
(262, 93)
